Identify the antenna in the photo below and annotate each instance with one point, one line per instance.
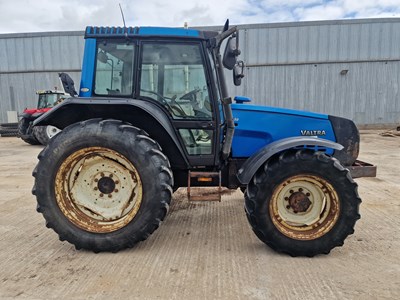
(123, 19)
(226, 26)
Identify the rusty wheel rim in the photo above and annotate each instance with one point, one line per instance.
(98, 189)
(304, 207)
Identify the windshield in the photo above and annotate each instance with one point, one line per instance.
(49, 100)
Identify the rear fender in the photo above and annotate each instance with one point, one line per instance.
(142, 114)
(254, 162)
(37, 115)
(26, 115)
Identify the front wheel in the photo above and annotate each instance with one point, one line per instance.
(25, 132)
(103, 185)
(302, 203)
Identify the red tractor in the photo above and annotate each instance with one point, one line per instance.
(46, 101)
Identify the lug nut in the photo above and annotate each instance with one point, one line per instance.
(300, 189)
(111, 175)
(308, 194)
(95, 188)
(102, 174)
(109, 196)
(287, 198)
(116, 190)
(116, 181)
(96, 180)
(291, 191)
(288, 206)
(101, 195)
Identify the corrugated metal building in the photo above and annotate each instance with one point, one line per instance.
(31, 62)
(348, 68)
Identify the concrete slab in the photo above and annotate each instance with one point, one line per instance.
(202, 250)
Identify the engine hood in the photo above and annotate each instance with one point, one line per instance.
(257, 126)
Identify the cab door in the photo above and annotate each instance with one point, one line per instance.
(174, 75)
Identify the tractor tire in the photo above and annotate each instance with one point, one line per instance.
(103, 185)
(9, 125)
(8, 134)
(302, 203)
(23, 126)
(44, 133)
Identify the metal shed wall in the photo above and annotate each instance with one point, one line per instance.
(293, 65)
(299, 66)
(30, 62)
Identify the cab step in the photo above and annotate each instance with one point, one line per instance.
(204, 193)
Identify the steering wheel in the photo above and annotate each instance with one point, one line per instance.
(188, 96)
(173, 106)
(161, 97)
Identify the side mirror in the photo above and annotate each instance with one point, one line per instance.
(68, 84)
(238, 71)
(102, 57)
(231, 52)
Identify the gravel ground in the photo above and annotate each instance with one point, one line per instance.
(202, 250)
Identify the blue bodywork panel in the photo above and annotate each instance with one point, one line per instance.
(88, 68)
(258, 126)
(168, 31)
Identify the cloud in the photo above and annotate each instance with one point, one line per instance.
(56, 15)
(320, 12)
(175, 13)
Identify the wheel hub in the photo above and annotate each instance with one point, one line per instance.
(98, 189)
(106, 185)
(299, 202)
(304, 207)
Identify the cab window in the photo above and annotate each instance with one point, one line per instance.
(173, 74)
(114, 69)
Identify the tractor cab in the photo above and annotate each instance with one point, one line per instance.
(169, 74)
(48, 99)
(177, 74)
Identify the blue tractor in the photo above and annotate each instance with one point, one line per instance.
(154, 114)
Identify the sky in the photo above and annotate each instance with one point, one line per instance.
(71, 15)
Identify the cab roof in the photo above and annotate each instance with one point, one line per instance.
(95, 32)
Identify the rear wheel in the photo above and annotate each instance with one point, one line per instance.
(103, 185)
(44, 133)
(302, 203)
